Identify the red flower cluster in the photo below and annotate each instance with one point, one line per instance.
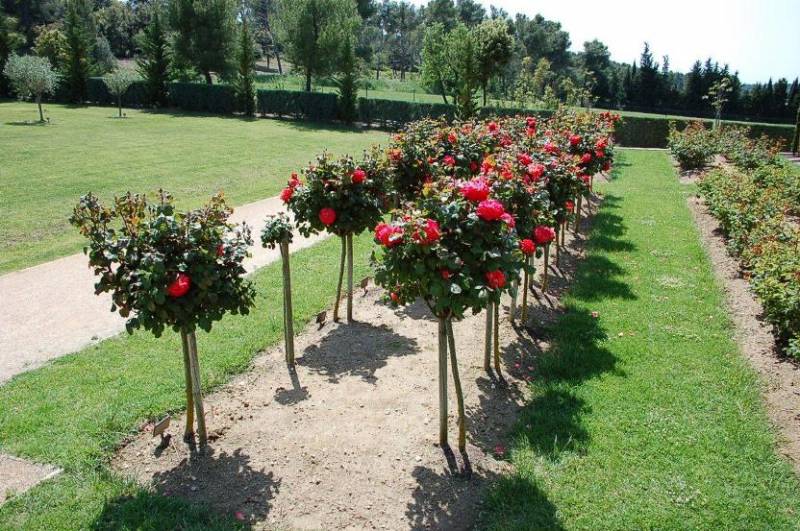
(527, 247)
(359, 176)
(495, 279)
(574, 140)
(543, 234)
(475, 190)
(429, 234)
(387, 235)
(490, 210)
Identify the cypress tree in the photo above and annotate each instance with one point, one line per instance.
(156, 57)
(80, 39)
(347, 81)
(245, 79)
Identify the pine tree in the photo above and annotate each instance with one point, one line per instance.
(156, 57)
(245, 77)
(205, 37)
(80, 40)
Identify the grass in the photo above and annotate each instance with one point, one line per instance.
(74, 412)
(46, 168)
(647, 417)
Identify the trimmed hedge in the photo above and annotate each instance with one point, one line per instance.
(314, 106)
(201, 97)
(398, 113)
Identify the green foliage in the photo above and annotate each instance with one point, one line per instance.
(103, 60)
(51, 43)
(140, 251)
(205, 35)
(347, 81)
(156, 57)
(398, 113)
(494, 48)
(118, 83)
(245, 78)
(31, 77)
(314, 106)
(436, 72)
(10, 40)
(693, 147)
(757, 209)
(312, 31)
(356, 192)
(277, 229)
(80, 42)
(201, 97)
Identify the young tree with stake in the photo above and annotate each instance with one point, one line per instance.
(166, 268)
(278, 232)
(118, 82)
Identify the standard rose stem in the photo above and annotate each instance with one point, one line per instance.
(512, 309)
(497, 338)
(287, 304)
(349, 278)
(462, 422)
(525, 293)
(442, 383)
(188, 433)
(546, 267)
(341, 277)
(198, 396)
(578, 214)
(487, 356)
(558, 244)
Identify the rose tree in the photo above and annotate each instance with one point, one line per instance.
(278, 232)
(456, 255)
(343, 198)
(165, 268)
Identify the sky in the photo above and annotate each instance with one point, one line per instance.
(759, 39)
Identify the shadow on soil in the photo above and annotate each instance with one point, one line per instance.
(246, 493)
(356, 349)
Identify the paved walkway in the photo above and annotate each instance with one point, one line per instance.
(34, 331)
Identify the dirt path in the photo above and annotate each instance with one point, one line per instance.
(781, 376)
(50, 310)
(349, 440)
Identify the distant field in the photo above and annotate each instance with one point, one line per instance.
(46, 168)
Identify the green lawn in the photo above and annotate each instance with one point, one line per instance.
(74, 412)
(45, 169)
(647, 417)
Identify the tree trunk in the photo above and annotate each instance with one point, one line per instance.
(546, 267)
(487, 354)
(462, 421)
(558, 244)
(341, 277)
(188, 433)
(39, 104)
(512, 308)
(119, 105)
(308, 80)
(349, 278)
(288, 330)
(209, 80)
(280, 66)
(377, 74)
(578, 208)
(484, 94)
(442, 383)
(525, 293)
(196, 392)
(497, 339)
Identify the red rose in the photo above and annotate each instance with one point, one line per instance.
(527, 247)
(490, 210)
(570, 206)
(599, 153)
(474, 167)
(509, 220)
(396, 155)
(585, 178)
(452, 137)
(359, 175)
(506, 141)
(327, 216)
(446, 274)
(294, 181)
(536, 171)
(287, 193)
(449, 160)
(551, 148)
(574, 140)
(602, 143)
(530, 121)
(432, 232)
(606, 166)
(495, 279)
(387, 235)
(493, 127)
(586, 158)
(475, 190)
(524, 159)
(395, 298)
(543, 234)
(180, 286)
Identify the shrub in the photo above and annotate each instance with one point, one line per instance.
(693, 147)
(118, 83)
(314, 106)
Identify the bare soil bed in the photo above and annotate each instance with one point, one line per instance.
(350, 439)
(781, 376)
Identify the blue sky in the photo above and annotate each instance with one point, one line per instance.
(760, 39)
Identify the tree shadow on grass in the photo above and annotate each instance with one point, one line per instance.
(356, 349)
(210, 492)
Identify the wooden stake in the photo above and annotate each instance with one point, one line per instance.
(512, 309)
(487, 356)
(198, 396)
(497, 338)
(546, 267)
(349, 278)
(442, 382)
(188, 433)
(525, 293)
(578, 215)
(558, 244)
(341, 277)
(462, 421)
(288, 330)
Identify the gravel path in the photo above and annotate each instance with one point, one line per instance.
(50, 310)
